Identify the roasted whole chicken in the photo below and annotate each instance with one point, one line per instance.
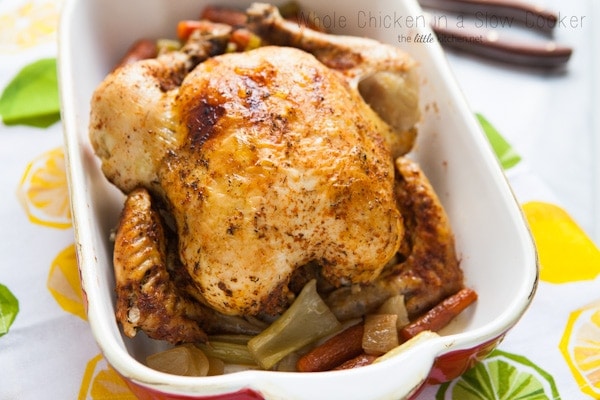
(249, 173)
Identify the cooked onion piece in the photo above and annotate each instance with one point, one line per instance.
(380, 334)
(307, 320)
(395, 305)
(186, 360)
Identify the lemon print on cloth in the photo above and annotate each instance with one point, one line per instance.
(501, 376)
(566, 253)
(43, 190)
(63, 282)
(580, 346)
(28, 24)
(101, 382)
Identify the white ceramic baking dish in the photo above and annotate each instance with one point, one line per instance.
(497, 252)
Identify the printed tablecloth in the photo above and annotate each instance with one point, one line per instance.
(47, 350)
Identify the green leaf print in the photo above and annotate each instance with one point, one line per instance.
(506, 154)
(501, 376)
(9, 307)
(31, 98)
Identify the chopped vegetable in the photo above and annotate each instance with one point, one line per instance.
(440, 315)
(395, 305)
(380, 334)
(245, 40)
(186, 27)
(230, 353)
(230, 338)
(358, 361)
(186, 360)
(288, 363)
(419, 338)
(334, 351)
(216, 366)
(167, 45)
(308, 319)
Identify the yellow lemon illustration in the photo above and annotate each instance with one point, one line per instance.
(63, 282)
(43, 190)
(31, 23)
(580, 346)
(101, 382)
(566, 253)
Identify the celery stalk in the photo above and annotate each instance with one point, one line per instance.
(308, 319)
(230, 353)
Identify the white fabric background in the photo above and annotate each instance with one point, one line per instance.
(552, 119)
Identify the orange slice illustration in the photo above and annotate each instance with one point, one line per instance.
(63, 282)
(29, 24)
(101, 382)
(566, 253)
(43, 190)
(580, 346)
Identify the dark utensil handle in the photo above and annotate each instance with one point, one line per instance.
(544, 55)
